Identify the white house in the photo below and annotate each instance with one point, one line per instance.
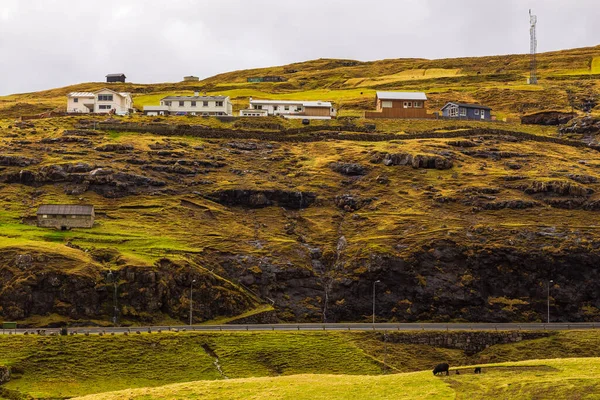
(192, 105)
(100, 102)
(290, 109)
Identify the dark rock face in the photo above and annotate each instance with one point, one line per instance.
(585, 179)
(255, 198)
(462, 143)
(470, 342)
(418, 161)
(81, 177)
(142, 293)
(349, 169)
(442, 281)
(16, 161)
(584, 125)
(548, 118)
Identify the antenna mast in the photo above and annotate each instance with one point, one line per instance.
(533, 49)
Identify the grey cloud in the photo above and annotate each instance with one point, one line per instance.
(50, 43)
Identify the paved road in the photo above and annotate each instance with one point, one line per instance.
(320, 327)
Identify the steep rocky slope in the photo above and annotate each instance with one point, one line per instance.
(460, 224)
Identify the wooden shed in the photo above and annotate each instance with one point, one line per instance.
(115, 78)
(65, 216)
(399, 105)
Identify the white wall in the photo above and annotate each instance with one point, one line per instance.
(199, 108)
(120, 104)
(79, 106)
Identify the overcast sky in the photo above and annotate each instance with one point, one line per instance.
(52, 43)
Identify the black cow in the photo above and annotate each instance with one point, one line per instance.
(441, 368)
(477, 370)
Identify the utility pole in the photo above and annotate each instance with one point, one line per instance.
(548, 303)
(192, 300)
(374, 283)
(532, 49)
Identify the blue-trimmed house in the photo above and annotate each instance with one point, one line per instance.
(466, 111)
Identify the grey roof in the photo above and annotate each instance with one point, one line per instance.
(467, 105)
(65, 209)
(401, 96)
(194, 98)
(110, 75)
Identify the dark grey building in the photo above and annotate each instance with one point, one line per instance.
(115, 78)
(65, 216)
(467, 111)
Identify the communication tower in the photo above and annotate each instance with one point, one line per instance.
(533, 49)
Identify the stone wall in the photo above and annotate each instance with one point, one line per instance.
(470, 342)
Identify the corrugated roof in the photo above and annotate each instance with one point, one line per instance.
(316, 104)
(293, 102)
(111, 75)
(467, 105)
(194, 98)
(81, 94)
(401, 96)
(65, 209)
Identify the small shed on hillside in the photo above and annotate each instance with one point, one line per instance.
(467, 111)
(65, 216)
(115, 78)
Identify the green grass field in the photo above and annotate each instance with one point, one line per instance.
(61, 367)
(536, 379)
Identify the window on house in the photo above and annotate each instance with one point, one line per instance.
(287, 108)
(418, 104)
(105, 97)
(463, 112)
(386, 104)
(168, 103)
(75, 100)
(408, 104)
(193, 104)
(181, 103)
(45, 216)
(205, 104)
(476, 112)
(257, 107)
(298, 109)
(453, 112)
(104, 107)
(482, 113)
(219, 104)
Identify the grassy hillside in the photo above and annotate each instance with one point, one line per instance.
(59, 367)
(498, 81)
(548, 379)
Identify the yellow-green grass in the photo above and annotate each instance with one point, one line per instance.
(79, 365)
(572, 378)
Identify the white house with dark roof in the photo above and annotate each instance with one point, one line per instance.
(192, 105)
(102, 101)
(299, 109)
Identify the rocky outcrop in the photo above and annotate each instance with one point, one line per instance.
(114, 147)
(16, 161)
(548, 118)
(28, 287)
(584, 125)
(418, 161)
(349, 202)
(563, 188)
(349, 169)
(470, 342)
(4, 374)
(255, 198)
(510, 204)
(81, 177)
(585, 179)
(462, 143)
